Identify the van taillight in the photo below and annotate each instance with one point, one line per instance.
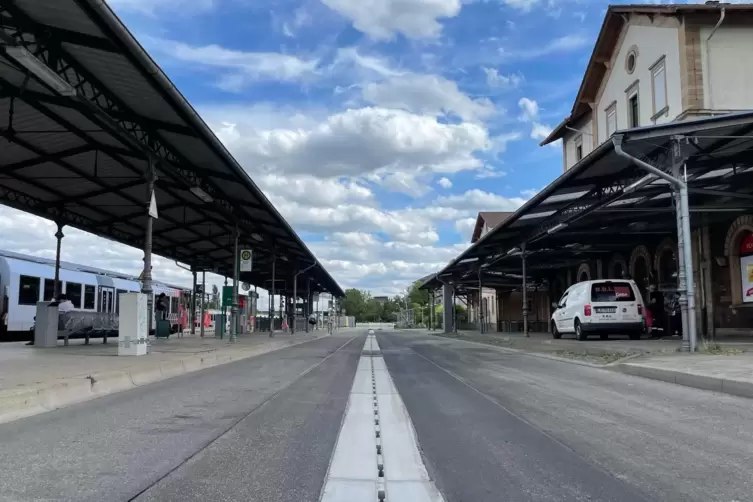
(640, 309)
(586, 310)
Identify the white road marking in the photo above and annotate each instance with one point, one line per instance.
(377, 433)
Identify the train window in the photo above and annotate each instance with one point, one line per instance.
(174, 304)
(117, 300)
(90, 293)
(49, 289)
(73, 292)
(28, 290)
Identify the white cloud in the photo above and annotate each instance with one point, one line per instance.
(529, 110)
(489, 172)
(565, 43)
(357, 142)
(151, 7)
(381, 20)
(499, 143)
(524, 5)
(362, 260)
(349, 59)
(477, 200)
(465, 228)
(540, 132)
(444, 182)
(243, 68)
(406, 183)
(498, 81)
(427, 94)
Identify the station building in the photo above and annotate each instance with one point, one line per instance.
(671, 84)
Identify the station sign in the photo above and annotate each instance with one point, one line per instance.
(246, 264)
(227, 296)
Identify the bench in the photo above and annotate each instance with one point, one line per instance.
(88, 324)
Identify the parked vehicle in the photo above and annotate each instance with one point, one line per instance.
(26, 280)
(604, 307)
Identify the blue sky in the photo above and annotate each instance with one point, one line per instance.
(379, 128)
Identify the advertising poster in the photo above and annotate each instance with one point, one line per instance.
(746, 273)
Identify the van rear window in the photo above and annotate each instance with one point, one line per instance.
(612, 292)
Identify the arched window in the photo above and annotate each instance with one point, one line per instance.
(584, 272)
(640, 268)
(617, 270)
(665, 264)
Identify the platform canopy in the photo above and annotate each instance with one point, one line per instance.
(86, 115)
(607, 203)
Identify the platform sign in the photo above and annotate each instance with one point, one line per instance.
(246, 260)
(153, 206)
(227, 296)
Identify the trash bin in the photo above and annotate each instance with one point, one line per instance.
(162, 329)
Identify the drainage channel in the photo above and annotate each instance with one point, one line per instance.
(376, 457)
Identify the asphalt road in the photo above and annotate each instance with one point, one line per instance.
(492, 426)
(497, 426)
(260, 429)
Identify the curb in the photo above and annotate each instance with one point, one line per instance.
(29, 400)
(703, 382)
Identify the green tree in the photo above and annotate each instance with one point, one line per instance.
(417, 296)
(354, 303)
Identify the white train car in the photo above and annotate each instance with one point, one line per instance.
(26, 280)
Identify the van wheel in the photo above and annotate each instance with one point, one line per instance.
(555, 333)
(579, 335)
(604, 337)
(635, 336)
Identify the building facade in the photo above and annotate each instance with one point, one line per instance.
(658, 64)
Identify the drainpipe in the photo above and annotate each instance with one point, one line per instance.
(708, 55)
(683, 236)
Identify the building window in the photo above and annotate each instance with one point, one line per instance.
(49, 289)
(28, 290)
(90, 294)
(578, 148)
(659, 86)
(611, 119)
(631, 60)
(174, 302)
(633, 106)
(73, 292)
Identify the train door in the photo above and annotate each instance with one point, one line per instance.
(106, 300)
(3, 310)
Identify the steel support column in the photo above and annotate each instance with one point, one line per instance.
(193, 303)
(455, 312)
(283, 303)
(295, 303)
(236, 278)
(525, 289)
(146, 282)
(684, 242)
(479, 312)
(203, 296)
(56, 288)
(272, 297)
(308, 303)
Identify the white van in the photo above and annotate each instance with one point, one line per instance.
(600, 307)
